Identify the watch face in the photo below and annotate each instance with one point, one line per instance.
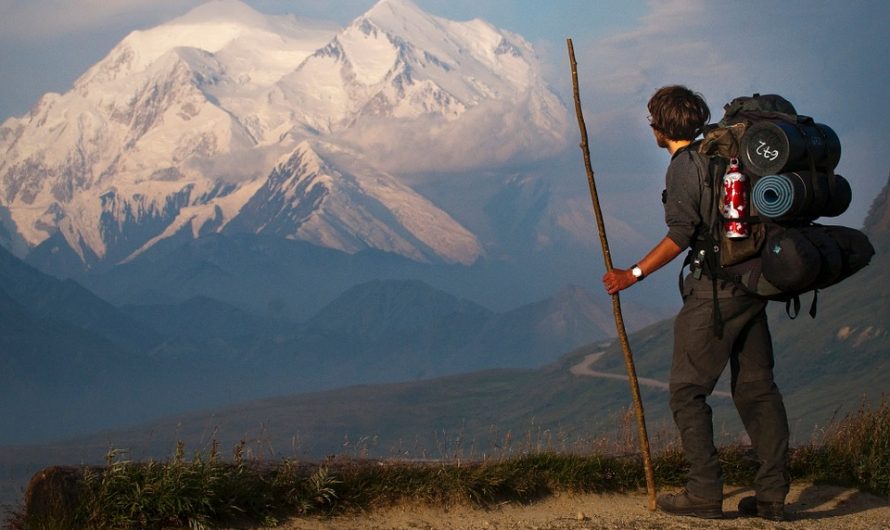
(637, 272)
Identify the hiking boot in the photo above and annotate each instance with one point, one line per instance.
(751, 507)
(684, 503)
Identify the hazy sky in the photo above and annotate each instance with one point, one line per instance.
(46, 44)
(829, 58)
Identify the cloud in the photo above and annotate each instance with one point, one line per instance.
(726, 49)
(36, 20)
(490, 134)
(672, 44)
(239, 166)
(822, 58)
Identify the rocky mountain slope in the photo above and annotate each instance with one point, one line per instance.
(877, 223)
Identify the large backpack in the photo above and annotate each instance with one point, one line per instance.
(789, 162)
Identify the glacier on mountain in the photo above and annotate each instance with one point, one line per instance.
(229, 120)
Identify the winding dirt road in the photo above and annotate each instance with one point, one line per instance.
(585, 368)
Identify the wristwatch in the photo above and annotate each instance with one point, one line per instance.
(637, 272)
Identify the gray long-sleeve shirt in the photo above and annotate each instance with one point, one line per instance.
(687, 204)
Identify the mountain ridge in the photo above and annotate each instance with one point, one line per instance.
(825, 367)
(66, 300)
(877, 222)
(200, 352)
(180, 125)
(307, 198)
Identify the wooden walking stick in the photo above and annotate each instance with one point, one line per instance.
(616, 302)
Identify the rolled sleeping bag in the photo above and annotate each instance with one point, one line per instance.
(830, 195)
(772, 147)
(801, 195)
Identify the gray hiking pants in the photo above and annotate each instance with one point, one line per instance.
(699, 359)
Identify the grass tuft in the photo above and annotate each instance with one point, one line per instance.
(854, 452)
(206, 491)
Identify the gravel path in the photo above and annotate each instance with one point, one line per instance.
(810, 507)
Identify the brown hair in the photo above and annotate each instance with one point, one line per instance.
(679, 113)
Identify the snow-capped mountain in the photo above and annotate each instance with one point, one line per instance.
(397, 61)
(310, 196)
(226, 119)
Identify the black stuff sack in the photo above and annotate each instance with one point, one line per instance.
(797, 259)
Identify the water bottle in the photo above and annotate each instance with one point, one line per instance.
(735, 202)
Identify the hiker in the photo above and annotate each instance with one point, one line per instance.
(677, 116)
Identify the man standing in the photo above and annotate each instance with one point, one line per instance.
(677, 116)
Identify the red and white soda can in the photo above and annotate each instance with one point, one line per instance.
(735, 202)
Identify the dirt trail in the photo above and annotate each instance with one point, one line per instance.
(585, 368)
(809, 507)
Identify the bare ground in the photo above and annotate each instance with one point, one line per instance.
(809, 507)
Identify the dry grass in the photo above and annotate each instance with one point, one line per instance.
(207, 490)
